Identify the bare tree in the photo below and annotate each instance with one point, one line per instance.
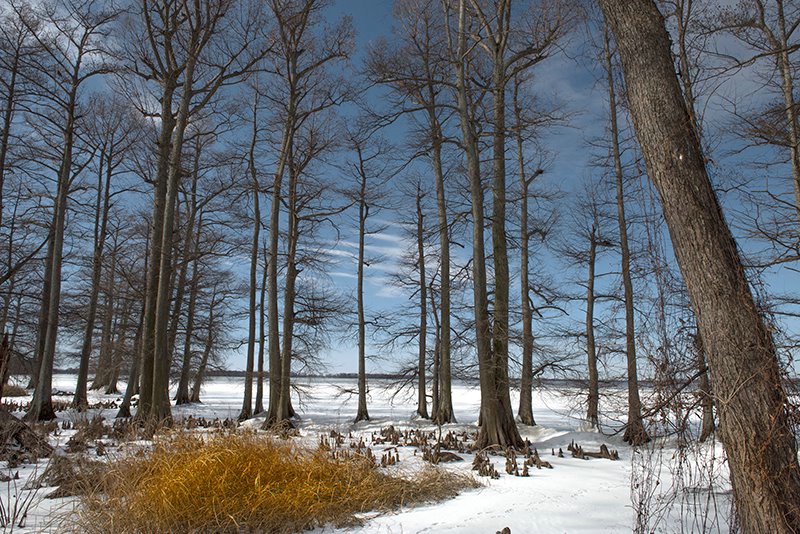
(754, 421)
(635, 433)
(416, 70)
(303, 87)
(75, 51)
(114, 128)
(179, 45)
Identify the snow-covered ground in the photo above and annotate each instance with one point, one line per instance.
(575, 496)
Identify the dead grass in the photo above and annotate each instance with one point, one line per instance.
(13, 390)
(249, 483)
(71, 475)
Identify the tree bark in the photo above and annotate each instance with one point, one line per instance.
(593, 400)
(262, 337)
(167, 121)
(201, 369)
(182, 394)
(247, 403)
(754, 421)
(496, 417)
(102, 207)
(41, 405)
(525, 412)
(422, 399)
(362, 414)
(284, 411)
(272, 273)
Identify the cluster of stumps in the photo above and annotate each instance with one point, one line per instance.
(437, 449)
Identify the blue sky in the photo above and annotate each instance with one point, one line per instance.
(569, 78)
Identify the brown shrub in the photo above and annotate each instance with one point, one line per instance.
(76, 475)
(245, 483)
(13, 390)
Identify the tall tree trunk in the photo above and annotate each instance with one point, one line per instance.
(635, 433)
(496, 417)
(41, 405)
(182, 394)
(154, 251)
(525, 412)
(160, 406)
(247, 403)
(133, 376)
(443, 412)
(363, 212)
(499, 351)
(102, 207)
(422, 399)
(201, 369)
(593, 400)
(285, 412)
(754, 421)
(272, 276)
(262, 337)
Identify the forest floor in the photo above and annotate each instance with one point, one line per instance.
(663, 487)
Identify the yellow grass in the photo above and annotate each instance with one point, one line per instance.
(243, 482)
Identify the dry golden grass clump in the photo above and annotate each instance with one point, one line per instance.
(14, 390)
(247, 483)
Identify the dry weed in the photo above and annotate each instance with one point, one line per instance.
(248, 483)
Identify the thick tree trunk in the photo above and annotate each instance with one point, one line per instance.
(160, 405)
(273, 318)
(502, 281)
(635, 433)
(496, 417)
(754, 420)
(154, 252)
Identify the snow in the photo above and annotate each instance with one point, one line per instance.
(589, 496)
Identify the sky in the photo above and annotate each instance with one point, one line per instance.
(570, 77)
